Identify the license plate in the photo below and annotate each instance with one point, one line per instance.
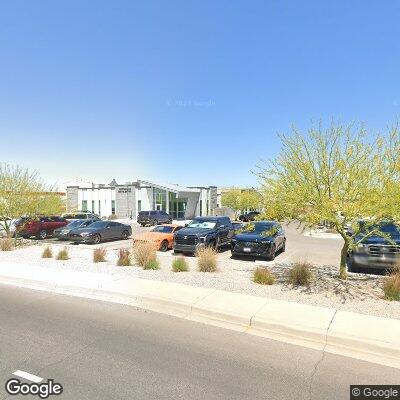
(247, 249)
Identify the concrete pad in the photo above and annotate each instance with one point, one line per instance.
(295, 323)
(366, 337)
(226, 309)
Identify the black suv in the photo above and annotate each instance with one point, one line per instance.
(250, 216)
(153, 218)
(203, 231)
(376, 251)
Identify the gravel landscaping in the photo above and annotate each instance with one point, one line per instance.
(360, 293)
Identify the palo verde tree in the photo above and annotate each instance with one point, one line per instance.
(241, 199)
(338, 174)
(23, 193)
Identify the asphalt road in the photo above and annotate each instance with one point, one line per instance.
(99, 350)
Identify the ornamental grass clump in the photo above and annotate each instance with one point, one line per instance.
(300, 274)
(143, 252)
(391, 287)
(124, 258)
(63, 254)
(263, 276)
(180, 265)
(6, 244)
(207, 259)
(99, 255)
(47, 252)
(152, 264)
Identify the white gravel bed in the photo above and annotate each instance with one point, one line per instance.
(361, 293)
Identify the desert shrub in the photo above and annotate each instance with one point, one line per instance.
(6, 244)
(300, 274)
(395, 269)
(47, 252)
(124, 258)
(180, 265)
(143, 252)
(391, 287)
(207, 259)
(263, 276)
(63, 254)
(99, 255)
(152, 264)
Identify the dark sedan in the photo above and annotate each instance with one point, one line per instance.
(259, 239)
(100, 231)
(64, 232)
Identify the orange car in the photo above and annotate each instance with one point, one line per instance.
(161, 235)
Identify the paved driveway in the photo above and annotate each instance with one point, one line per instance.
(298, 247)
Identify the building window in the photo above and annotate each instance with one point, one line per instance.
(92, 205)
(139, 206)
(208, 207)
(99, 207)
(84, 205)
(177, 206)
(201, 208)
(112, 207)
(159, 199)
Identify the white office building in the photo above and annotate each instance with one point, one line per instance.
(127, 200)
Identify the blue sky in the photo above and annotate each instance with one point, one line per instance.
(189, 92)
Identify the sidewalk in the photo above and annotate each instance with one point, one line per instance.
(364, 337)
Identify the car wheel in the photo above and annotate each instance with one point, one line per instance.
(125, 235)
(351, 267)
(164, 245)
(96, 239)
(170, 221)
(42, 234)
(155, 222)
(271, 256)
(283, 249)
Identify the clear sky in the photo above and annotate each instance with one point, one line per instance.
(188, 92)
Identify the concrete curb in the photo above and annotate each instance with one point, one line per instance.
(354, 335)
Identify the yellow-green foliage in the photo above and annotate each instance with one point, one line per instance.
(124, 258)
(6, 244)
(99, 255)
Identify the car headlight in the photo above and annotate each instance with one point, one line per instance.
(85, 234)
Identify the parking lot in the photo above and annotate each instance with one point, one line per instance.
(321, 251)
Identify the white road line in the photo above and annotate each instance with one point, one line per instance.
(28, 376)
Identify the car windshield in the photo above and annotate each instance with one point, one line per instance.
(99, 224)
(163, 229)
(260, 228)
(74, 224)
(388, 229)
(202, 223)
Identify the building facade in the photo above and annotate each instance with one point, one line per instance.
(127, 200)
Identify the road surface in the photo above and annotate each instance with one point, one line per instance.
(99, 350)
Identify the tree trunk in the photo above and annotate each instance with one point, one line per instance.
(343, 259)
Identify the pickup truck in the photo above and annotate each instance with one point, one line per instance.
(215, 232)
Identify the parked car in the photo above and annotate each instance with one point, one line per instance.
(161, 235)
(80, 215)
(203, 231)
(379, 251)
(42, 227)
(100, 231)
(64, 232)
(153, 218)
(259, 239)
(250, 216)
(237, 226)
